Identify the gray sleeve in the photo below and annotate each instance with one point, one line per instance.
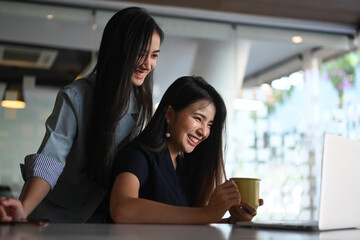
(61, 128)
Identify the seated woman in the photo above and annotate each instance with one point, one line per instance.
(172, 172)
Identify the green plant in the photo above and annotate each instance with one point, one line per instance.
(341, 72)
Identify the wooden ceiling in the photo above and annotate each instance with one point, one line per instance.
(334, 11)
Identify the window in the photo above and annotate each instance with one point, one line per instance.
(277, 134)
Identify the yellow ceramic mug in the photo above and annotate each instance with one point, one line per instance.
(249, 189)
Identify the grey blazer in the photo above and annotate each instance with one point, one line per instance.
(61, 160)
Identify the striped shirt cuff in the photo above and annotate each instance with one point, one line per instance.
(38, 165)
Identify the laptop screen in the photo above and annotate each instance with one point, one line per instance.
(340, 193)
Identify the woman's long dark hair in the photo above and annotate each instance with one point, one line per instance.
(126, 36)
(203, 169)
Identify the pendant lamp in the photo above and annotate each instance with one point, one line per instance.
(13, 97)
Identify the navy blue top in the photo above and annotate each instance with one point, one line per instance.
(155, 171)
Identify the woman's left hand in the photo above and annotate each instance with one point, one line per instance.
(245, 213)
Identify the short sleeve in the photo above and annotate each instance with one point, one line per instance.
(133, 159)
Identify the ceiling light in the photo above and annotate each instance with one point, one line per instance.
(266, 87)
(49, 16)
(13, 97)
(297, 39)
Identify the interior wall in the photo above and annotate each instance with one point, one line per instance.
(21, 133)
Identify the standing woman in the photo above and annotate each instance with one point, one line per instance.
(173, 171)
(67, 179)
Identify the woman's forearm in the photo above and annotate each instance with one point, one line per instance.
(138, 210)
(127, 207)
(34, 192)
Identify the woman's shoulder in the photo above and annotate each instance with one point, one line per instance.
(79, 91)
(137, 150)
(133, 154)
(136, 147)
(80, 85)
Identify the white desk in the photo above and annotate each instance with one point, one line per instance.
(159, 232)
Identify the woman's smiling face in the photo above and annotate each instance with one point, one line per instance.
(189, 126)
(147, 61)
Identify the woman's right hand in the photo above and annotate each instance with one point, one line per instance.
(224, 197)
(11, 209)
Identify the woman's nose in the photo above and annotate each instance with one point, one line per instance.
(146, 64)
(204, 131)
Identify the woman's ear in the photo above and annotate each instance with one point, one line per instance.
(170, 114)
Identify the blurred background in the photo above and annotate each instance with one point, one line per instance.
(288, 71)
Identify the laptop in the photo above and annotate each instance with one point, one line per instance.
(339, 206)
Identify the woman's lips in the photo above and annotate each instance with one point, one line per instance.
(193, 140)
(139, 74)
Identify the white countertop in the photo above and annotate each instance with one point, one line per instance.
(161, 231)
